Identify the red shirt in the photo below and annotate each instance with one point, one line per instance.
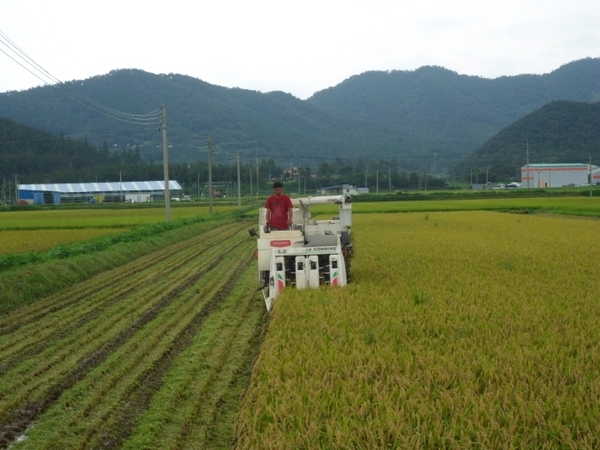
(279, 207)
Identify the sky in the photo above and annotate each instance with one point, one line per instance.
(298, 47)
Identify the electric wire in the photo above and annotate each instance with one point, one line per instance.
(21, 54)
(150, 118)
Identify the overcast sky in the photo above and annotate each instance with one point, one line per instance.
(298, 47)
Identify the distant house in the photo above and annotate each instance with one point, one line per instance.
(344, 189)
(129, 191)
(557, 175)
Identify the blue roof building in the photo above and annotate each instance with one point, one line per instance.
(85, 192)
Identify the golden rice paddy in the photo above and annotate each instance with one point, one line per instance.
(23, 241)
(459, 330)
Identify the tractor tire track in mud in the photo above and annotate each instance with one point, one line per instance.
(198, 274)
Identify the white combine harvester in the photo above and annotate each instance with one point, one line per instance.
(311, 253)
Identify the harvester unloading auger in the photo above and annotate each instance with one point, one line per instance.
(310, 253)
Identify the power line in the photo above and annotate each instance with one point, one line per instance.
(150, 118)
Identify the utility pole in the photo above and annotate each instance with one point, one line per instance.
(239, 186)
(591, 178)
(250, 167)
(377, 178)
(210, 189)
(527, 164)
(166, 163)
(257, 178)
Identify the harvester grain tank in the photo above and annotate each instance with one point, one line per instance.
(310, 253)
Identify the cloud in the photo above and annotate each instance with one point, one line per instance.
(296, 47)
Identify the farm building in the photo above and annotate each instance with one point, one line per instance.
(557, 175)
(344, 189)
(126, 191)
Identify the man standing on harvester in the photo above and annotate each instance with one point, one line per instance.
(279, 209)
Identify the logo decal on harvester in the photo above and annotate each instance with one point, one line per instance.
(335, 281)
(280, 282)
(280, 243)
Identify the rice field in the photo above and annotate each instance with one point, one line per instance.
(98, 217)
(21, 241)
(581, 205)
(154, 353)
(459, 330)
(41, 230)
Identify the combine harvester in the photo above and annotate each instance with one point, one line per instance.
(311, 253)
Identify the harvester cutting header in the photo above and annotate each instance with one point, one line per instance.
(303, 252)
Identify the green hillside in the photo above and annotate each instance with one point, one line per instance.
(25, 149)
(268, 125)
(454, 114)
(427, 119)
(34, 156)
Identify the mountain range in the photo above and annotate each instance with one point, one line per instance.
(429, 119)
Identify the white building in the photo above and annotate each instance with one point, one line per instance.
(557, 175)
(344, 189)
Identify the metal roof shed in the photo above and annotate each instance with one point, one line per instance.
(85, 191)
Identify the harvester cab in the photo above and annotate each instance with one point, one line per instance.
(310, 253)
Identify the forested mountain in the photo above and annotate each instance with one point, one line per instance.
(453, 114)
(28, 155)
(264, 125)
(39, 156)
(559, 132)
(427, 119)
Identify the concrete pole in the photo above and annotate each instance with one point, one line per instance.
(591, 178)
(210, 188)
(239, 182)
(257, 178)
(166, 164)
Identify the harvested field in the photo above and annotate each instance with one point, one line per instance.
(153, 354)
